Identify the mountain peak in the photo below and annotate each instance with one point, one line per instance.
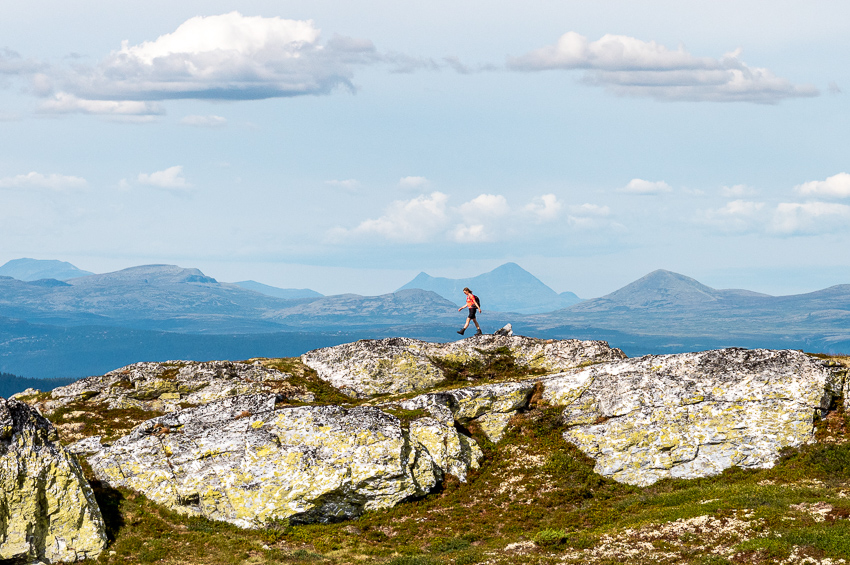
(27, 269)
(507, 288)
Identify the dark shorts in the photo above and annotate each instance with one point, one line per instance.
(472, 312)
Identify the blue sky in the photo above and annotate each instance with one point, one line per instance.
(346, 146)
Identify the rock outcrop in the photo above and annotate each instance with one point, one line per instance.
(692, 414)
(368, 368)
(170, 386)
(47, 509)
(246, 462)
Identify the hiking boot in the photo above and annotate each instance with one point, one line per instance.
(479, 332)
(461, 331)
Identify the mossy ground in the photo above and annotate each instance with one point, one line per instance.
(536, 499)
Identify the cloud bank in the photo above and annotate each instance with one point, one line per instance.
(487, 218)
(631, 67)
(39, 180)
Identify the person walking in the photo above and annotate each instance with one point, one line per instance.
(474, 306)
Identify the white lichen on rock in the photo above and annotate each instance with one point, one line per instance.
(47, 509)
(244, 461)
(692, 414)
(369, 367)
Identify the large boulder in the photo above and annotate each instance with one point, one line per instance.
(692, 414)
(370, 367)
(47, 509)
(172, 385)
(244, 461)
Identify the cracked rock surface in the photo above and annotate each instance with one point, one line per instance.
(246, 462)
(47, 508)
(692, 415)
(399, 365)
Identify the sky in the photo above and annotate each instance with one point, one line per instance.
(346, 146)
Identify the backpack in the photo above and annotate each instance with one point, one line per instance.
(477, 301)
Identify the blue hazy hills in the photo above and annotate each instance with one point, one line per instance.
(90, 324)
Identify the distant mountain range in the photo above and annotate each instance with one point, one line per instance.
(91, 324)
(508, 288)
(287, 293)
(676, 312)
(35, 269)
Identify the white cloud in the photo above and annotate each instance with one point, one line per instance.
(629, 66)
(836, 185)
(170, 178)
(348, 184)
(737, 216)
(737, 190)
(791, 218)
(588, 216)
(64, 103)
(485, 218)
(475, 233)
(640, 186)
(38, 180)
(413, 182)
(204, 121)
(486, 205)
(227, 56)
(414, 221)
(544, 208)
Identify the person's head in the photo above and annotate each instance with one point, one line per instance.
(467, 291)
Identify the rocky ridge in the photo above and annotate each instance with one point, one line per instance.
(251, 459)
(368, 368)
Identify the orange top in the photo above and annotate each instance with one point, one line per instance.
(470, 301)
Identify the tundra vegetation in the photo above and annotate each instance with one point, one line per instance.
(535, 499)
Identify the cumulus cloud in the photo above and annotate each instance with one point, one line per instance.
(836, 185)
(737, 216)
(413, 182)
(485, 205)
(39, 180)
(633, 67)
(485, 218)
(792, 218)
(224, 57)
(640, 186)
(348, 184)
(170, 178)
(544, 208)
(204, 121)
(413, 221)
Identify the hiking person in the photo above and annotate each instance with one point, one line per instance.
(474, 306)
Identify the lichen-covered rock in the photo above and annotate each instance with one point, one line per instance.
(490, 406)
(166, 387)
(692, 414)
(246, 462)
(400, 365)
(47, 509)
